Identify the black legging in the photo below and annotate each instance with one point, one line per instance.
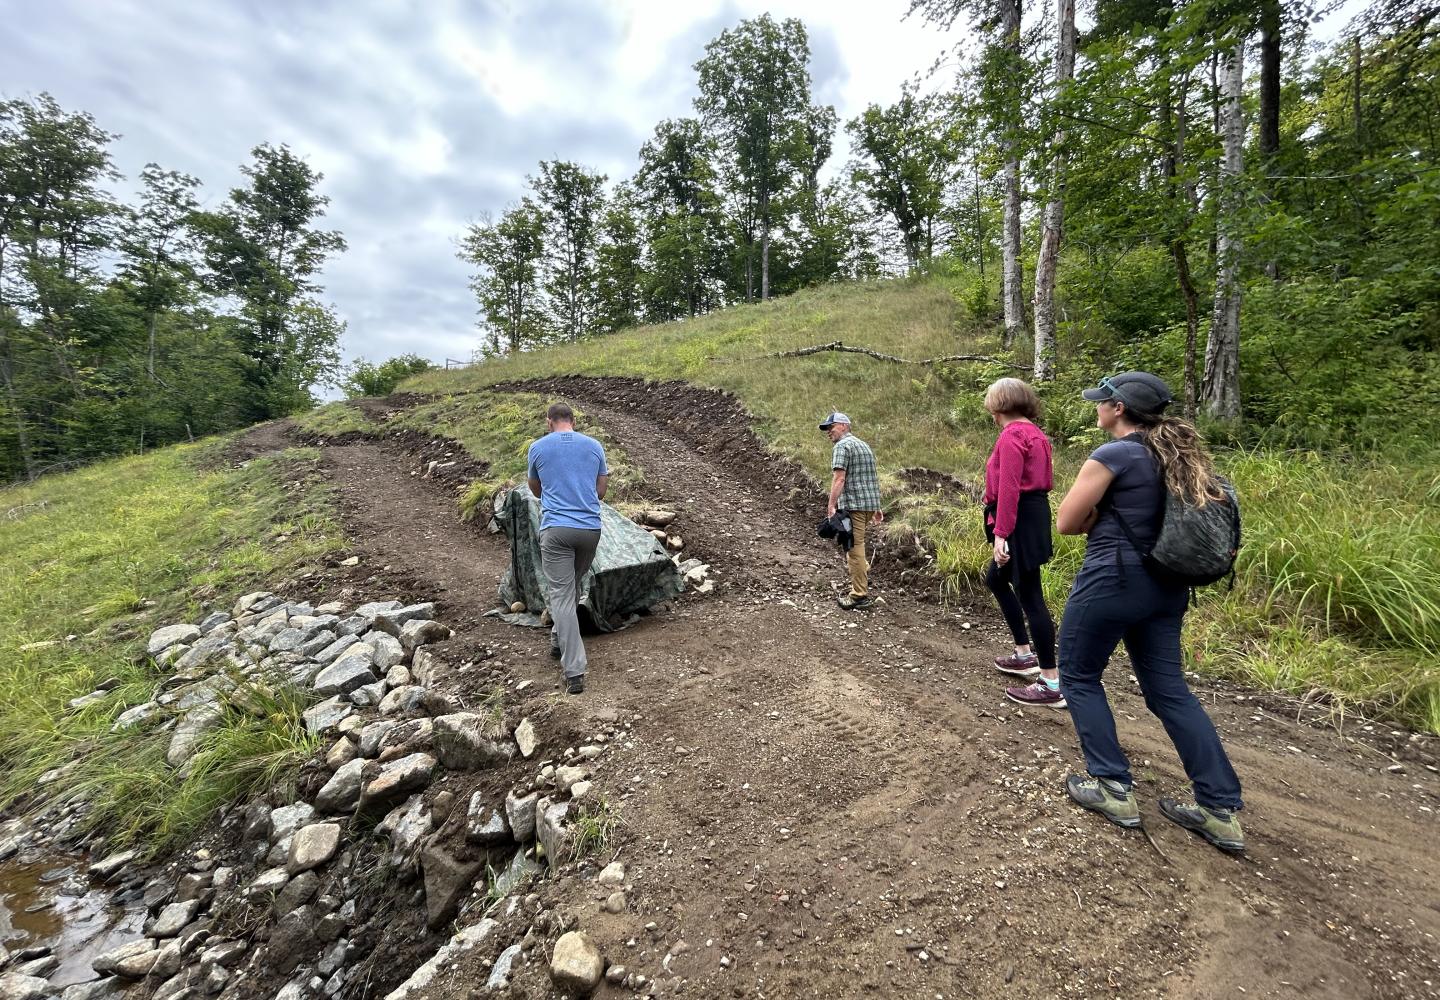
(1022, 597)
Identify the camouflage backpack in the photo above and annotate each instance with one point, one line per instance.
(1195, 546)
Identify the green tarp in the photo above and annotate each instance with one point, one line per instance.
(631, 572)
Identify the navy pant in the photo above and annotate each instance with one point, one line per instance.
(1021, 595)
(1110, 604)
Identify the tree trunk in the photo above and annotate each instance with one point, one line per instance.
(22, 433)
(1355, 94)
(1221, 388)
(150, 355)
(1049, 258)
(764, 246)
(1270, 52)
(1192, 320)
(1012, 274)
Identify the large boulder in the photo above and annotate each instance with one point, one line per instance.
(172, 920)
(520, 814)
(397, 780)
(576, 965)
(485, 824)
(420, 632)
(188, 734)
(331, 653)
(132, 960)
(388, 651)
(285, 820)
(326, 715)
(15, 986)
(393, 620)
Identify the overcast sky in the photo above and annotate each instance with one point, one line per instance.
(422, 116)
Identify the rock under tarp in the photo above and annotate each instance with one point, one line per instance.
(632, 571)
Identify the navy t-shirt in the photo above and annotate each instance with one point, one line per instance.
(1135, 493)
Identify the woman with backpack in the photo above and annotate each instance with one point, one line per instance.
(1118, 499)
(1018, 477)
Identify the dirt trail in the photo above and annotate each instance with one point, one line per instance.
(823, 804)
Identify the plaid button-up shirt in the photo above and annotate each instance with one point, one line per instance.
(862, 484)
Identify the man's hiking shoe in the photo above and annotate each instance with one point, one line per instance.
(1016, 665)
(1219, 826)
(1114, 801)
(554, 651)
(575, 685)
(1039, 694)
(852, 603)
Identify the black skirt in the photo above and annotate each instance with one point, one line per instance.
(1031, 544)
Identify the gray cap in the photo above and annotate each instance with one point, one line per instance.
(1139, 391)
(835, 418)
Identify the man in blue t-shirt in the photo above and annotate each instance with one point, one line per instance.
(567, 471)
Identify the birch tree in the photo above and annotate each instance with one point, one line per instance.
(1052, 227)
(1220, 390)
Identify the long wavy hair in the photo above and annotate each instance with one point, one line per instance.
(1184, 460)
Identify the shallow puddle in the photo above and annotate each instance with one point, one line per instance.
(52, 903)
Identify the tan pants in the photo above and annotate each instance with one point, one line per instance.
(855, 559)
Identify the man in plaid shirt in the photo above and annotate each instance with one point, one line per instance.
(855, 489)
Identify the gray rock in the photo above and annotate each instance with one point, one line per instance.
(388, 651)
(331, 926)
(215, 980)
(287, 819)
(500, 972)
(411, 736)
(40, 967)
(398, 676)
(334, 958)
(615, 903)
(292, 940)
(342, 792)
(167, 961)
(108, 988)
(312, 846)
(520, 814)
(461, 942)
(368, 695)
(163, 638)
(394, 620)
(612, 874)
(134, 716)
(372, 734)
(107, 868)
(195, 885)
(402, 699)
(420, 632)
(172, 919)
(525, 738)
(176, 987)
(485, 824)
(342, 753)
(405, 826)
(267, 883)
(448, 881)
(576, 965)
(397, 780)
(224, 953)
(567, 776)
(552, 830)
(300, 890)
(321, 641)
(18, 986)
(214, 620)
(372, 609)
(208, 649)
(326, 715)
(425, 667)
(347, 673)
(291, 638)
(252, 603)
(190, 732)
(461, 742)
(352, 626)
(131, 960)
(331, 653)
(521, 869)
(206, 692)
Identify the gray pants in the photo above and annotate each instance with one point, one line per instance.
(565, 556)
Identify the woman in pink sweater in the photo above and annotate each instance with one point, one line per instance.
(1018, 477)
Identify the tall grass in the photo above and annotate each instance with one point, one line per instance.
(1339, 589)
(90, 563)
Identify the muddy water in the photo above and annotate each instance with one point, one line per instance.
(51, 903)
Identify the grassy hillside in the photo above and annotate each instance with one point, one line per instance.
(90, 563)
(1338, 596)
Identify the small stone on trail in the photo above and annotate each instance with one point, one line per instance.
(576, 965)
(312, 846)
(612, 874)
(517, 607)
(525, 737)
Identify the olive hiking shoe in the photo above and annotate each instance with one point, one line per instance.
(1219, 826)
(1114, 801)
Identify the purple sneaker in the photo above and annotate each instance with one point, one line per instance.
(1026, 667)
(1039, 694)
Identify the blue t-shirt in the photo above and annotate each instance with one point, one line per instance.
(1135, 493)
(567, 464)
